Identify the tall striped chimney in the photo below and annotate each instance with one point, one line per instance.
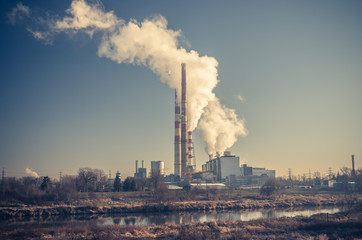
(184, 149)
(190, 149)
(177, 168)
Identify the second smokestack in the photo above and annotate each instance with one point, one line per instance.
(177, 169)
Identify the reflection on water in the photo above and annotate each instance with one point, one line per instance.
(160, 218)
(182, 217)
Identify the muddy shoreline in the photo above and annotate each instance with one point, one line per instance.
(107, 206)
(346, 225)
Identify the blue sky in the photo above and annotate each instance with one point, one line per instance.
(296, 64)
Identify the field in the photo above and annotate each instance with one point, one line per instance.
(346, 225)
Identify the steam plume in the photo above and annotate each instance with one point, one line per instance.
(31, 173)
(152, 44)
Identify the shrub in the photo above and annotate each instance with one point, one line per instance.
(270, 187)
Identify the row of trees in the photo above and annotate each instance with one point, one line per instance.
(36, 190)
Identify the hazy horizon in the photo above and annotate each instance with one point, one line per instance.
(291, 70)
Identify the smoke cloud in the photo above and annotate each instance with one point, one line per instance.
(31, 173)
(152, 44)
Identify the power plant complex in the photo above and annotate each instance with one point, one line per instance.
(219, 169)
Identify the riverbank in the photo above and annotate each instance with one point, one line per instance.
(346, 225)
(123, 206)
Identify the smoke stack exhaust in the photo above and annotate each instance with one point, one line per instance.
(184, 155)
(177, 167)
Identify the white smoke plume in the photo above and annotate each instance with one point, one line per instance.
(31, 173)
(220, 127)
(152, 44)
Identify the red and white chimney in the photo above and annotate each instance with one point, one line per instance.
(190, 147)
(184, 150)
(177, 167)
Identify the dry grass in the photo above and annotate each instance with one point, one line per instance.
(339, 226)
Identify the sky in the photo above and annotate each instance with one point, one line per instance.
(291, 71)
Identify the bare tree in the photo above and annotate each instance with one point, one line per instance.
(160, 189)
(86, 179)
(102, 179)
(67, 190)
(346, 171)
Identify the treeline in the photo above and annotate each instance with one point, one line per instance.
(347, 180)
(69, 188)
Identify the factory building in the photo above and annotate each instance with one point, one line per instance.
(227, 169)
(228, 165)
(158, 167)
(223, 166)
(140, 172)
(263, 171)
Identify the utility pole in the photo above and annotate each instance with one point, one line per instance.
(290, 177)
(290, 174)
(309, 175)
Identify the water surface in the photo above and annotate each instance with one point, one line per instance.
(161, 218)
(182, 217)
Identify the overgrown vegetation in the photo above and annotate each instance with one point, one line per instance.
(347, 225)
(30, 190)
(270, 187)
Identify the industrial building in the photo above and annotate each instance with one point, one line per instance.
(158, 167)
(223, 166)
(227, 169)
(140, 172)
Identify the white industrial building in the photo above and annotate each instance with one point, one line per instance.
(227, 169)
(158, 167)
(229, 165)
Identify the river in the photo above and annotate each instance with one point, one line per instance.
(162, 218)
